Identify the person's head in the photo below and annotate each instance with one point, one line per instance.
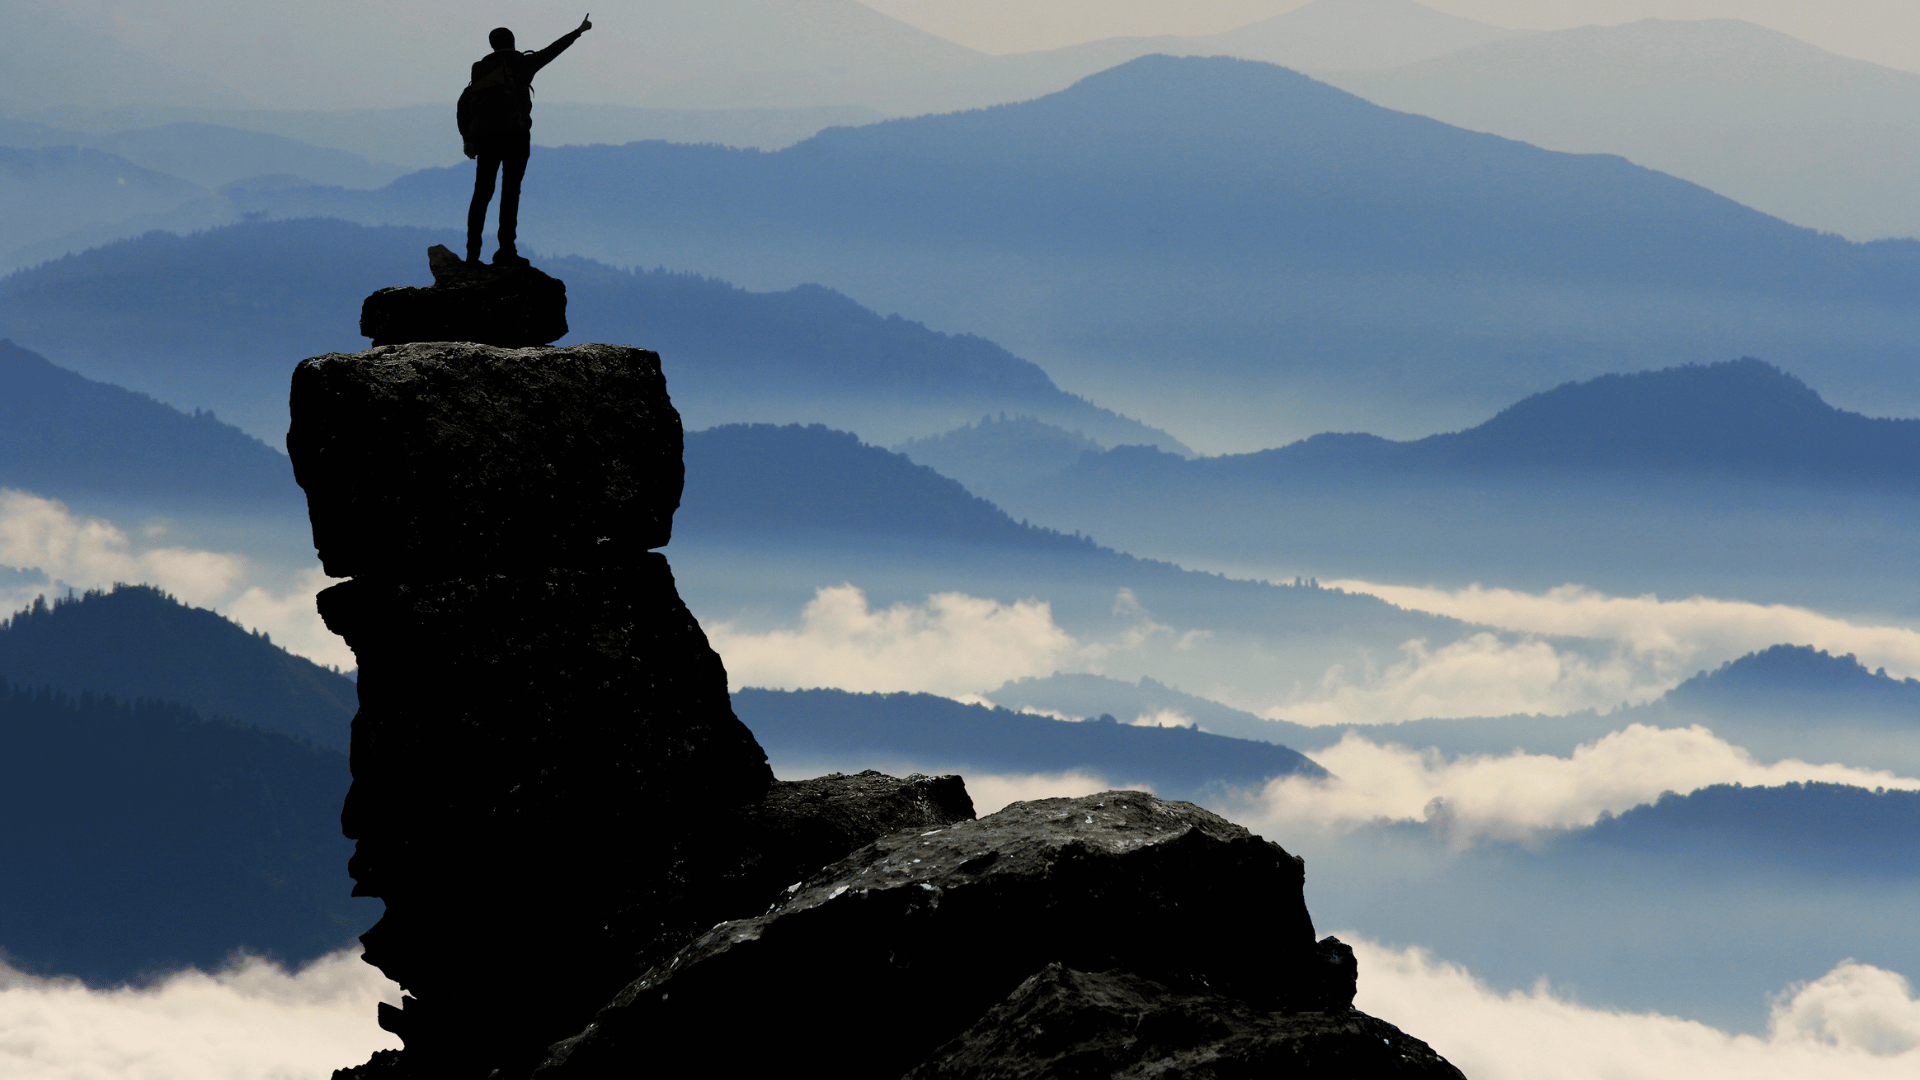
(501, 40)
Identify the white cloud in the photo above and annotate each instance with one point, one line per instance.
(91, 553)
(1676, 636)
(992, 792)
(1479, 675)
(254, 1021)
(1855, 1023)
(1643, 647)
(1164, 718)
(1517, 794)
(953, 644)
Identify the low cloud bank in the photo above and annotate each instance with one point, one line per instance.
(953, 644)
(1644, 646)
(1679, 634)
(70, 551)
(1515, 795)
(1854, 1023)
(1479, 675)
(249, 1022)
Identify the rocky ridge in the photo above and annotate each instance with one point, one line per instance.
(587, 866)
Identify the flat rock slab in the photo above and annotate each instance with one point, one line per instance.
(875, 961)
(511, 305)
(426, 461)
(1063, 1024)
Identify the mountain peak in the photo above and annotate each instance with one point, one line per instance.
(1782, 673)
(1738, 415)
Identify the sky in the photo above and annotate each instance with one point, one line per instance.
(374, 53)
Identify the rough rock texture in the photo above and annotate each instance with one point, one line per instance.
(545, 758)
(805, 825)
(1063, 1024)
(432, 460)
(801, 826)
(902, 945)
(510, 305)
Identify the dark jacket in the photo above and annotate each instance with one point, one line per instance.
(501, 93)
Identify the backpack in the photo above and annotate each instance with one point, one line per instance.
(495, 105)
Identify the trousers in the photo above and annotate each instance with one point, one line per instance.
(509, 159)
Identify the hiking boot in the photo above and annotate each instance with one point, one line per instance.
(509, 257)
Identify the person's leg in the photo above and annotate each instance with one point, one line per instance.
(485, 166)
(513, 167)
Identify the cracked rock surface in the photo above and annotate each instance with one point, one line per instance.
(1063, 1024)
(912, 938)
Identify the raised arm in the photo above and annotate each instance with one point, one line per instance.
(545, 56)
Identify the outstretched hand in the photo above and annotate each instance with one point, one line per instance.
(586, 24)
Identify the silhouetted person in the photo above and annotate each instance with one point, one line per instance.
(496, 121)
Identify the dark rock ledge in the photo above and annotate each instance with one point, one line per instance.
(587, 866)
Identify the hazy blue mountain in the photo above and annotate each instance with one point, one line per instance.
(136, 643)
(1800, 678)
(218, 319)
(141, 839)
(425, 136)
(855, 731)
(1150, 699)
(771, 514)
(1210, 244)
(50, 191)
(764, 479)
(1823, 828)
(1731, 479)
(1733, 419)
(1784, 701)
(1000, 453)
(63, 435)
(1700, 906)
(1821, 140)
(212, 154)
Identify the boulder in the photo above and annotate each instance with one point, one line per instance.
(510, 305)
(432, 460)
(874, 962)
(1063, 1024)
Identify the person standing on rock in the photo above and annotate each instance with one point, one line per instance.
(496, 126)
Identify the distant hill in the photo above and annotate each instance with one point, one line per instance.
(1802, 679)
(1252, 223)
(1737, 418)
(50, 191)
(211, 155)
(137, 643)
(1818, 828)
(808, 726)
(1732, 479)
(61, 435)
(142, 838)
(772, 514)
(1002, 453)
(1093, 695)
(758, 478)
(218, 319)
(1820, 140)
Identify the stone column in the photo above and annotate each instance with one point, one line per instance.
(545, 743)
